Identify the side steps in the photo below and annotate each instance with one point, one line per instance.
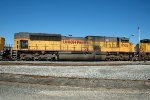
(14, 55)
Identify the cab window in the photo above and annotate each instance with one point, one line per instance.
(23, 44)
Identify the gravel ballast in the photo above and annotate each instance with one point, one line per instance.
(125, 72)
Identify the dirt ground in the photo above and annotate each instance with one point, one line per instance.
(22, 91)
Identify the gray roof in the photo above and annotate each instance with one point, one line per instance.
(27, 34)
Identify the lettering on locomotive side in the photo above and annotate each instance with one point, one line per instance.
(74, 42)
(124, 45)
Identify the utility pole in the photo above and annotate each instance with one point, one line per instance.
(139, 45)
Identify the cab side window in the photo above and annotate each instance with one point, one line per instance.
(23, 44)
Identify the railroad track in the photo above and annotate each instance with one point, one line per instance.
(74, 63)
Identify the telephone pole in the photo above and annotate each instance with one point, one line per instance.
(139, 44)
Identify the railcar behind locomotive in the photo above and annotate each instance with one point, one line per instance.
(2, 43)
(144, 49)
(5, 51)
(42, 46)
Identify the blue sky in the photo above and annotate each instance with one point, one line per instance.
(76, 17)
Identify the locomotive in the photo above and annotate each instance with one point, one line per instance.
(5, 51)
(2, 43)
(144, 50)
(43, 46)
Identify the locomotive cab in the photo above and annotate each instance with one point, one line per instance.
(21, 44)
(21, 41)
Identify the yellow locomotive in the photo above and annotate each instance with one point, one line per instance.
(145, 49)
(2, 43)
(42, 46)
